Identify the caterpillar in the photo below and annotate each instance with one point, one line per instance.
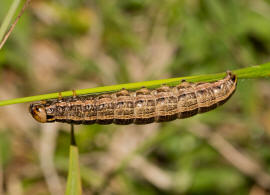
(139, 107)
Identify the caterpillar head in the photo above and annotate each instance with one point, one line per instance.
(38, 112)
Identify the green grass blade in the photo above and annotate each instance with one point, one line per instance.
(74, 180)
(253, 72)
(8, 18)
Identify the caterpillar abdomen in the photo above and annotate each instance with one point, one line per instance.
(140, 107)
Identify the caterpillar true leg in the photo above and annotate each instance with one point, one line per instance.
(60, 97)
(74, 93)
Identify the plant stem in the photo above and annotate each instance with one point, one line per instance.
(74, 186)
(72, 136)
(8, 18)
(252, 72)
(14, 24)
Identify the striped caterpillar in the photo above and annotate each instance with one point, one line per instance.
(139, 107)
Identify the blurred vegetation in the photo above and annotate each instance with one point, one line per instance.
(73, 44)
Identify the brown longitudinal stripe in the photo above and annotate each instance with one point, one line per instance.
(140, 107)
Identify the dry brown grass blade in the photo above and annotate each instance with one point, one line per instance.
(238, 159)
(3, 41)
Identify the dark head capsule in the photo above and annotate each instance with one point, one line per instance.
(38, 112)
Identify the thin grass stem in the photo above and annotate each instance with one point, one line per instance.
(253, 72)
(8, 18)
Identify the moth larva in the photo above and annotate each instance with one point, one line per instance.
(139, 107)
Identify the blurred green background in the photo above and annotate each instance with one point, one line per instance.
(75, 44)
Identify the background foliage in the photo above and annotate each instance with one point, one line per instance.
(73, 44)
